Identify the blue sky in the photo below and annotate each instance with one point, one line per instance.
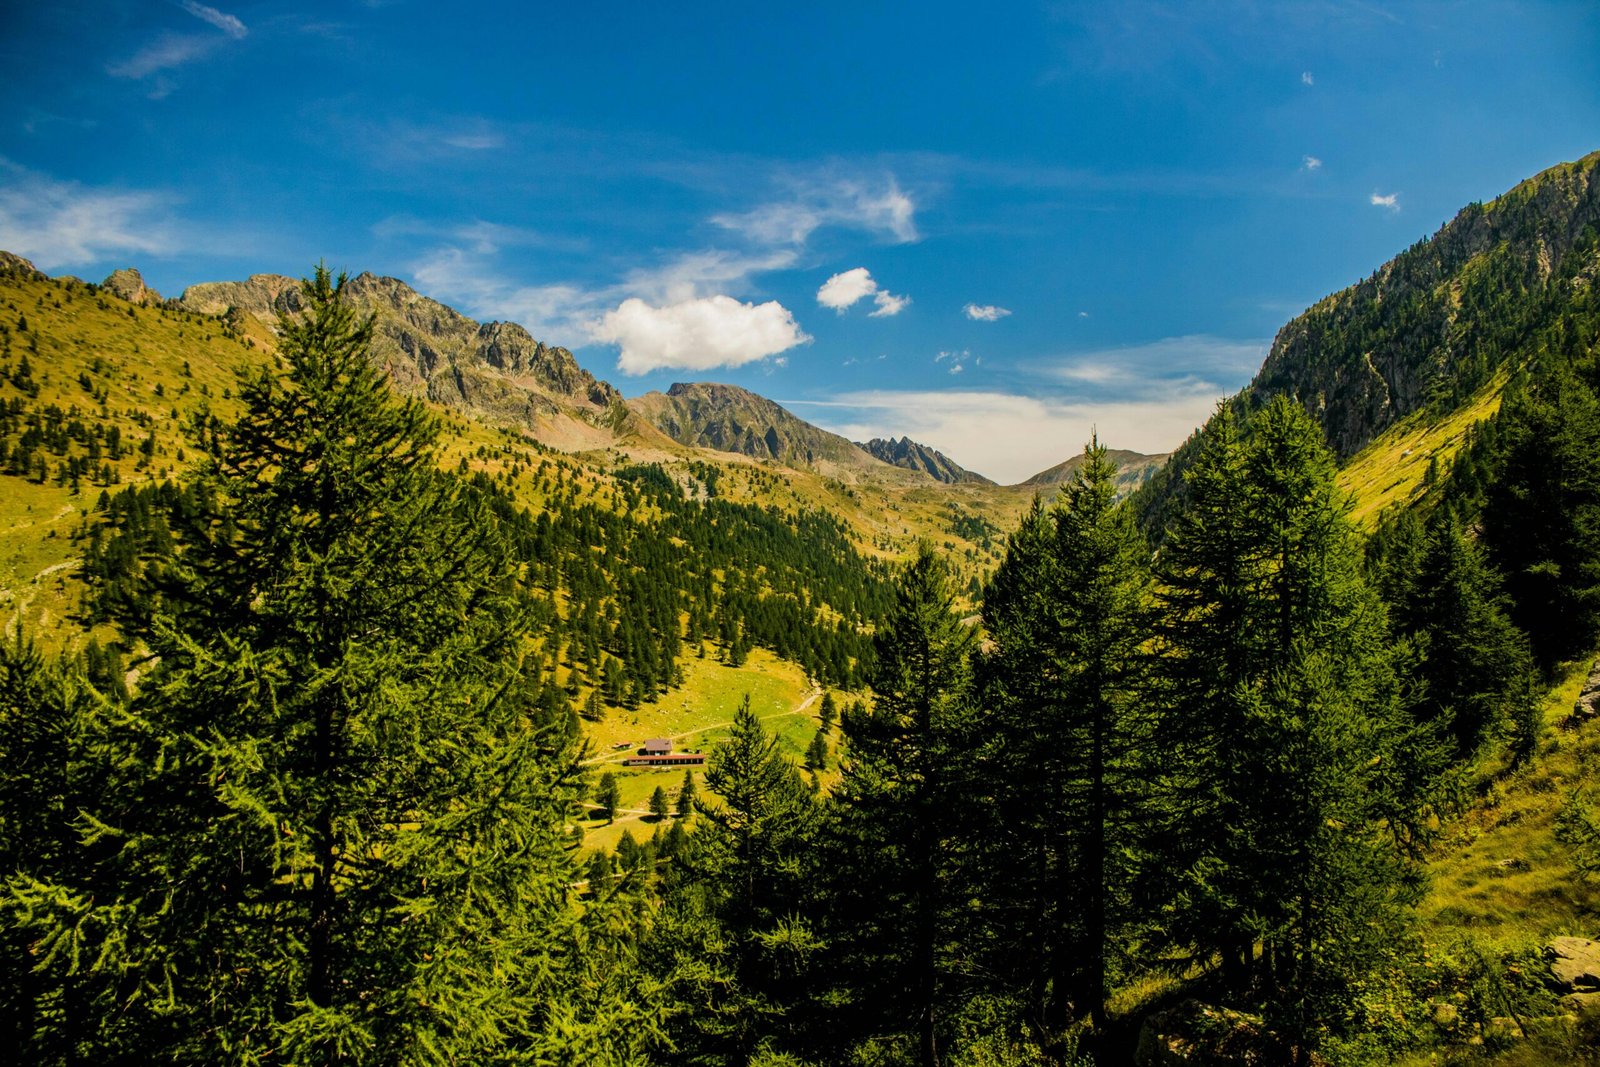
(990, 227)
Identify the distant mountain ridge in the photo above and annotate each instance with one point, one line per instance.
(911, 455)
(495, 369)
(1133, 469)
(731, 419)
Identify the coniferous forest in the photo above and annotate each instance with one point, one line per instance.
(1168, 783)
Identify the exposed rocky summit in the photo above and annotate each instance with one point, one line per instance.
(129, 285)
(730, 419)
(14, 264)
(496, 369)
(918, 457)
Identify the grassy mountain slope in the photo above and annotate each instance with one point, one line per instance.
(1432, 334)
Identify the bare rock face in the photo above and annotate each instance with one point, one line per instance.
(1575, 964)
(266, 296)
(1588, 703)
(14, 264)
(129, 285)
(919, 457)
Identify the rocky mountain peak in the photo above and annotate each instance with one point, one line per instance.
(128, 284)
(919, 457)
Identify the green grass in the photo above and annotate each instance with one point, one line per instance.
(696, 716)
(1499, 873)
(1391, 470)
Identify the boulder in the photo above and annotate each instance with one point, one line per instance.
(1575, 964)
(1587, 705)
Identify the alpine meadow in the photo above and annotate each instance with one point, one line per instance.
(380, 685)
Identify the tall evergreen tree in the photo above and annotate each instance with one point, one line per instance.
(1069, 613)
(1306, 772)
(337, 833)
(895, 836)
(733, 937)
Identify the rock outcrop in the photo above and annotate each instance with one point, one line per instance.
(496, 369)
(128, 284)
(1587, 706)
(1575, 972)
(14, 264)
(919, 457)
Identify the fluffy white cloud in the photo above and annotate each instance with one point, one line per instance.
(1390, 201)
(1311, 163)
(985, 312)
(64, 224)
(699, 334)
(845, 289)
(1306, 78)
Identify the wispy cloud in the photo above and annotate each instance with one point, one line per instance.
(985, 312)
(879, 208)
(1217, 364)
(1310, 163)
(228, 24)
(1390, 201)
(847, 288)
(170, 50)
(1306, 78)
(66, 224)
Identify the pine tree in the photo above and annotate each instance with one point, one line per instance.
(817, 753)
(608, 795)
(733, 936)
(337, 831)
(896, 830)
(1308, 777)
(658, 804)
(1072, 744)
(685, 802)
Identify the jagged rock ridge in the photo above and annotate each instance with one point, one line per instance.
(494, 368)
(919, 457)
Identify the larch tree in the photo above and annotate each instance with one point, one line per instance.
(338, 828)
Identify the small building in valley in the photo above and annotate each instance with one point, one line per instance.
(657, 752)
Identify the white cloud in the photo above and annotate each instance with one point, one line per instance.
(166, 51)
(1009, 436)
(700, 334)
(1310, 163)
(956, 369)
(888, 304)
(474, 142)
(845, 289)
(878, 208)
(64, 224)
(170, 50)
(1219, 363)
(1390, 201)
(1306, 78)
(945, 354)
(985, 312)
(228, 24)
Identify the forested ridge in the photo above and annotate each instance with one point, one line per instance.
(1169, 788)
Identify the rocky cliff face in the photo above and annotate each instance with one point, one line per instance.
(1433, 324)
(495, 369)
(129, 285)
(730, 419)
(918, 457)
